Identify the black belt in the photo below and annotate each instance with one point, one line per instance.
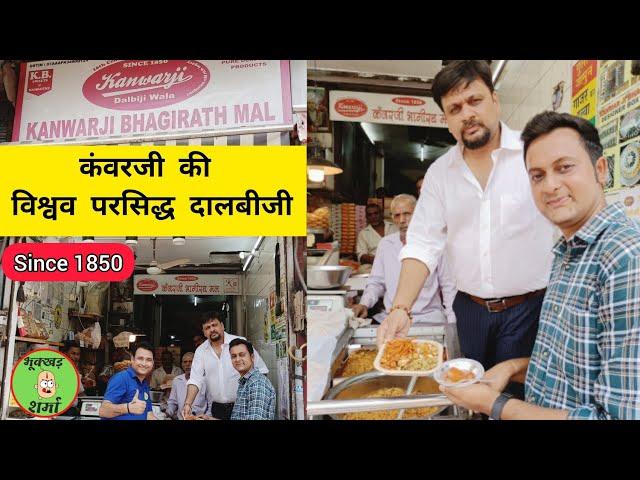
(221, 411)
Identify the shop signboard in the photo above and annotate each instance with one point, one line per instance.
(583, 89)
(384, 108)
(94, 100)
(186, 284)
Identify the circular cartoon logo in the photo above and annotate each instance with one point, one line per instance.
(45, 383)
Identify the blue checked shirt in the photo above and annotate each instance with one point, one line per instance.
(586, 358)
(256, 398)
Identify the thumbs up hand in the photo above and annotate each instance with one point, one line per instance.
(137, 406)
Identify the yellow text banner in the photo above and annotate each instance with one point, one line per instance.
(152, 190)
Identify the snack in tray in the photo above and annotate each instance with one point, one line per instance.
(123, 365)
(455, 375)
(350, 263)
(360, 361)
(390, 414)
(405, 354)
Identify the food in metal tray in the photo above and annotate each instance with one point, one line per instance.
(390, 414)
(405, 354)
(360, 361)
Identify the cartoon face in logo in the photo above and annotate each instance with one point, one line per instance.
(46, 385)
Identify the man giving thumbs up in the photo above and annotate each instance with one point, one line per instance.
(127, 396)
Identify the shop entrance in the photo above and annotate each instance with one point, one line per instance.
(174, 320)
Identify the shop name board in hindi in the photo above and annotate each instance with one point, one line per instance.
(177, 186)
(584, 71)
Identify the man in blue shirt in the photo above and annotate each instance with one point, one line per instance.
(256, 398)
(586, 356)
(127, 396)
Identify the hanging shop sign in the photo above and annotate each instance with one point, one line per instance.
(584, 75)
(383, 108)
(186, 284)
(94, 100)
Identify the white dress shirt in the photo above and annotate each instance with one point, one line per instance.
(368, 239)
(178, 396)
(497, 242)
(159, 374)
(383, 281)
(217, 374)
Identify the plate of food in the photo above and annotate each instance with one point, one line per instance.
(409, 357)
(459, 372)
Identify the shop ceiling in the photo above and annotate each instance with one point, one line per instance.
(205, 254)
(409, 150)
(411, 77)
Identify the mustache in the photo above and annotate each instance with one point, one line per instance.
(471, 123)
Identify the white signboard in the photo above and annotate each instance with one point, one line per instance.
(186, 284)
(384, 108)
(62, 100)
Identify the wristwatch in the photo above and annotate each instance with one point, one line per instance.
(498, 405)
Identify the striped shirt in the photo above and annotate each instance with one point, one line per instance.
(586, 358)
(256, 399)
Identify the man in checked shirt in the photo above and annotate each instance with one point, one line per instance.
(256, 399)
(586, 359)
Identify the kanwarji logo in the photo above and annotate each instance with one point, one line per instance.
(40, 82)
(145, 84)
(350, 107)
(147, 285)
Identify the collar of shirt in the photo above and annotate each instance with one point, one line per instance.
(226, 340)
(245, 378)
(132, 374)
(591, 230)
(509, 140)
(394, 238)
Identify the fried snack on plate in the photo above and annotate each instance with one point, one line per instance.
(406, 354)
(397, 353)
(455, 375)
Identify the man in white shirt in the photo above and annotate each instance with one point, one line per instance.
(385, 273)
(167, 371)
(175, 404)
(212, 369)
(370, 236)
(476, 205)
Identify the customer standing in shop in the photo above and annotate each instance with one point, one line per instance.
(586, 359)
(128, 394)
(430, 306)
(256, 399)
(166, 372)
(476, 205)
(175, 404)
(212, 369)
(370, 236)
